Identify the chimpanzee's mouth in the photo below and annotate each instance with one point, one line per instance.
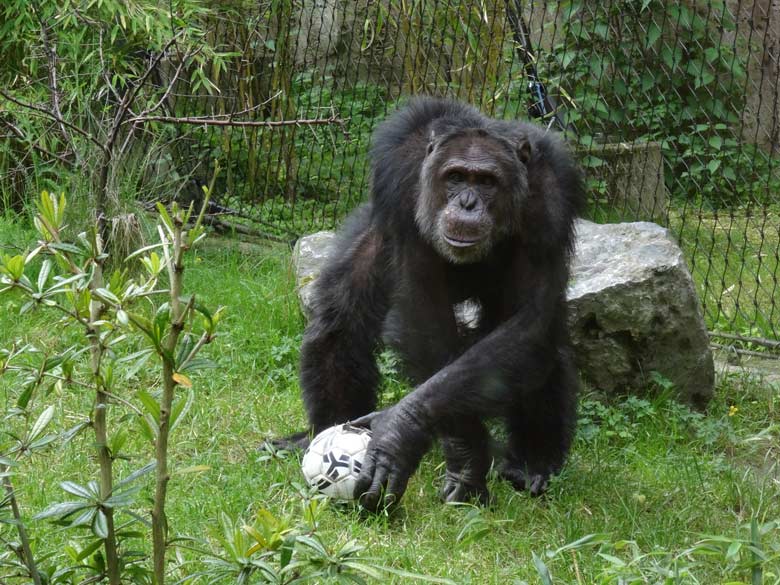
(462, 242)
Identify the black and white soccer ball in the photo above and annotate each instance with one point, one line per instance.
(334, 458)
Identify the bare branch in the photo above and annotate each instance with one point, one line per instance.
(171, 84)
(53, 116)
(116, 125)
(129, 96)
(238, 228)
(63, 158)
(228, 121)
(182, 61)
(51, 54)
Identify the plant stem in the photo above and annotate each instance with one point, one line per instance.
(100, 424)
(27, 556)
(756, 571)
(169, 385)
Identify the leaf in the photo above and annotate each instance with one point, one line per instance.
(612, 559)
(653, 34)
(314, 544)
(417, 577)
(587, 540)
(68, 435)
(541, 568)
(106, 295)
(42, 442)
(123, 499)
(136, 474)
(567, 58)
(144, 249)
(200, 363)
(287, 551)
(148, 426)
(40, 425)
(733, 550)
(100, 525)
(182, 379)
(43, 275)
(137, 361)
(89, 549)
(77, 490)
(166, 219)
(181, 407)
(65, 247)
(150, 404)
(24, 397)
(61, 510)
(14, 267)
(192, 469)
(86, 517)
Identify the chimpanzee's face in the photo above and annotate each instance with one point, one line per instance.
(472, 185)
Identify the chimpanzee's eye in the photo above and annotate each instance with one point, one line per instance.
(455, 177)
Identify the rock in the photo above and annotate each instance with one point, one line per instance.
(633, 310)
(632, 302)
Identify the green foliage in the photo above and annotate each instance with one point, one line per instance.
(660, 71)
(282, 551)
(753, 553)
(117, 327)
(71, 68)
(122, 321)
(624, 421)
(674, 478)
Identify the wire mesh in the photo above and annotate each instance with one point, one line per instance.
(672, 108)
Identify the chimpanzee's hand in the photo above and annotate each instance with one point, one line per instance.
(398, 442)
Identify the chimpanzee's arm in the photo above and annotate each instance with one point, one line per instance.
(515, 358)
(338, 370)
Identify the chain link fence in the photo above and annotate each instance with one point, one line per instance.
(671, 107)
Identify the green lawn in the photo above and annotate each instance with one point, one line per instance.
(648, 477)
(734, 259)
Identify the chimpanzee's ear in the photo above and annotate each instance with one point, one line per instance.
(523, 148)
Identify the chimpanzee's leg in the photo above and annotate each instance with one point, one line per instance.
(541, 429)
(338, 372)
(468, 461)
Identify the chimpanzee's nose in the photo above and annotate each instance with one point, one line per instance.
(468, 200)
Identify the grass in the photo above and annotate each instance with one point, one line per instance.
(734, 257)
(647, 477)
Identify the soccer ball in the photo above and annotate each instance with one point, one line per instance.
(334, 458)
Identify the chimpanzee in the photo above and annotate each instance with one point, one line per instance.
(465, 209)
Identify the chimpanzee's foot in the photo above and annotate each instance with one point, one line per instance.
(294, 442)
(456, 488)
(521, 480)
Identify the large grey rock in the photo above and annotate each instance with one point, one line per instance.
(633, 308)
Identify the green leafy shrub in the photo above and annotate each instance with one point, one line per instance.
(641, 71)
(115, 324)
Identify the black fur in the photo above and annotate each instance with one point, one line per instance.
(388, 280)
